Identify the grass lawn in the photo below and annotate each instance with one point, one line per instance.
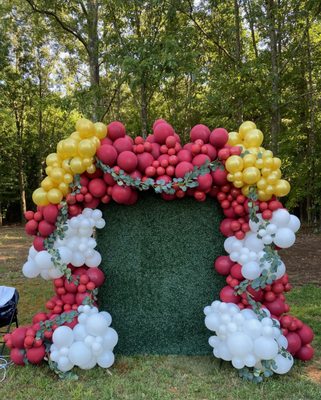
(150, 377)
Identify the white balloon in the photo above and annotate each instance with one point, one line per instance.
(54, 355)
(94, 260)
(214, 341)
(239, 344)
(100, 223)
(265, 348)
(64, 364)
(54, 273)
(228, 243)
(284, 238)
(251, 270)
(253, 243)
(87, 212)
(224, 352)
(80, 354)
(65, 254)
(108, 318)
(77, 259)
(281, 217)
(74, 223)
(283, 342)
(63, 336)
(267, 239)
(30, 269)
(43, 260)
(237, 246)
(90, 364)
(271, 229)
(106, 359)
(212, 322)
(45, 275)
(249, 360)
(96, 214)
(248, 314)
(96, 325)
(294, 223)
(253, 328)
(79, 332)
(284, 364)
(207, 310)
(234, 256)
(280, 270)
(237, 362)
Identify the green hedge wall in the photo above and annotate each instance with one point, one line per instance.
(158, 259)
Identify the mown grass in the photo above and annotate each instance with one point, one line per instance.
(151, 377)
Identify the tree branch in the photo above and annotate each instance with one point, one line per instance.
(60, 22)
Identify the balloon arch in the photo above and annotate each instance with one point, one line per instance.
(98, 164)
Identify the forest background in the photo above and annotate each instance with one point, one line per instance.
(205, 61)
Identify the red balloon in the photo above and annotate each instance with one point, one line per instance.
(219, 177)
(223, 265)
(105, 140)
(200, 159)
(184, 155)
(123, 144)
(219, 137)
(150, 139)
(36, 354)
(155, 152)
(38, 243)
(294, 342)
(121, 194)
(133, 198)
(305, 353)
(162, 131)
(96, 275)
(18, 337)
(200, 131)
(306, 334)
(211, 151)
(70, 287)
(68, 298)
(276, 307)
(182, 168)
(144, 160)
(97, 187)
(107, 154)
(127, 161)
(227, 294)
(109, 179)
(204, 182)
(50, 213)
(236, 272)
(41, 316)
(29, 215)
(45, 229)
(225, 227)
(159, 121)
(31, 227)
(80, 297)
(115, 130)
(17, 356)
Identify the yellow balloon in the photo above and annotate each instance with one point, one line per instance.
(261, 184)
(259, 163)
(245, 127)
(57, 174)
(278, 173)
(65, 165)
(68, 178)
(268, 162)
(234, 164)
(276, 163)
(54, 196)
(269, 190)
(49, 169)
(39, 197)
(47, 183)
(263, 196)
(246, 190)
(253, 138)
(95, 141)
(87, 162)
(234, 139)
(75, 136)
(77, 166)
(249, 160)
(251, 175)
(272, 178)
(267, 154)
(265, 172)
(69, 147)
(64, 188)
(91, 169)
(238, 176)
(52, 158)
(230, 177)
(253, 150)
(85, 128)
(101, 130)
(60, 149)
(86, 148)
(282, 188)
(238, 184)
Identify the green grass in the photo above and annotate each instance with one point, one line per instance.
(154, 377)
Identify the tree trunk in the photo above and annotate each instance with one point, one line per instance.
(144, 109)
(93, 58)
(249, 15)
(275, 78)
(238, 50)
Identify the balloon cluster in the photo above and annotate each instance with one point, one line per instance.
(244, 339)
(71, 293)
(74, 155)
(256, 166)
(90, 342)
(76, 248)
